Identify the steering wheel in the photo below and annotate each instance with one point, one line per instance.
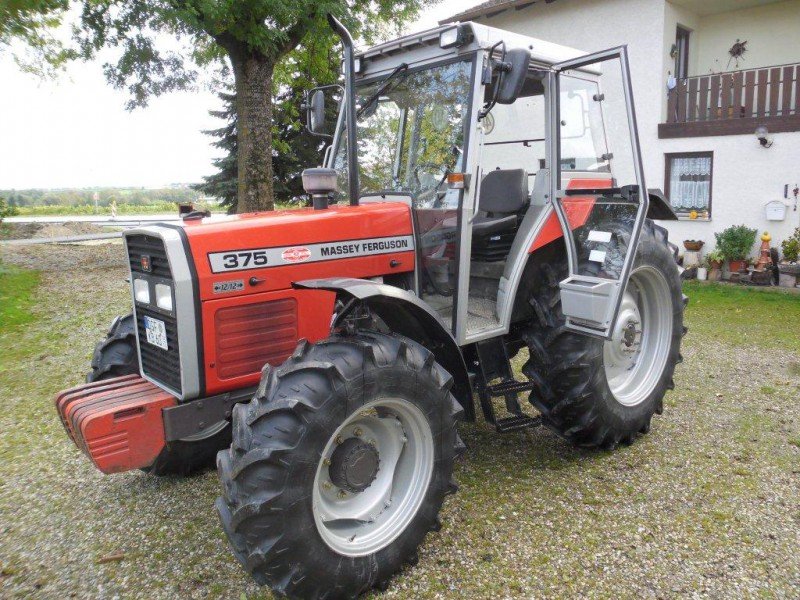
(430, 193)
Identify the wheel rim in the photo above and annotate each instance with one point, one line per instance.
(356, 523)
(637, 353)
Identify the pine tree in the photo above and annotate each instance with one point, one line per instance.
(224, 183)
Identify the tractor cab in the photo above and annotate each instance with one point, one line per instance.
(500, 144)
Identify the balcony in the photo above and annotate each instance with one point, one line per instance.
(734, 103)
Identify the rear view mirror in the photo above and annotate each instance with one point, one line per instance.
(515, 71)
(316, 112)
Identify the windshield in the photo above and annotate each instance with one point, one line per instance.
(411, 136)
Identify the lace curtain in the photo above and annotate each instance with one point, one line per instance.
(690, 183)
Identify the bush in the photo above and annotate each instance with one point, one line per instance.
(6, 210)
(736, 242)
(791, 247)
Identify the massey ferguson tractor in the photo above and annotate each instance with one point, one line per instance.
(482, 195)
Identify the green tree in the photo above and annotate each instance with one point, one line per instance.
(250, 36)
(31, 22)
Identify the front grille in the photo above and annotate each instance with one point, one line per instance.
(163, 366)
(148, 245)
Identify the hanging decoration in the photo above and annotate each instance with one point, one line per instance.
(737, 53)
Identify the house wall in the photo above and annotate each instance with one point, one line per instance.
(771, 32)
(746, 176)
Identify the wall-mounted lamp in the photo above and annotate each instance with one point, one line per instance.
(762, 134)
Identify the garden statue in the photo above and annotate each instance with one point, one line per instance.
(764, 260)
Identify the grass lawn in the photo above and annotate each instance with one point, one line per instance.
(16, 290)
(705, 505)
(744, 316)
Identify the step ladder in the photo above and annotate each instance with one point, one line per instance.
(492, 364)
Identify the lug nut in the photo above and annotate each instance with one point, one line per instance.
(326, 462)
(357, 432)
(326, 485)
(339, 439)
(342, 494)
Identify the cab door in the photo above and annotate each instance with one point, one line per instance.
(598, 190)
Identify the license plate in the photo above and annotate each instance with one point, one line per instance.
(156, 332)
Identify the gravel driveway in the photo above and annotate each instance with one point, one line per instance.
(706, 505)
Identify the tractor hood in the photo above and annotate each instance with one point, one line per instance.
(258, 252)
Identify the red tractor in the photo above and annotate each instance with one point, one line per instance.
(493, 201)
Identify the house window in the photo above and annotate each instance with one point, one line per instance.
(682, 54)
(688, 183)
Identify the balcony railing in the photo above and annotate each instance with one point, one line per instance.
(734, 103)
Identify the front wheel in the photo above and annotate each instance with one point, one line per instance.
(339, 465)
(598, 393)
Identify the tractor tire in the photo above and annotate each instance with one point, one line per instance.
(339, 465)
(598, 393)
(116, 356)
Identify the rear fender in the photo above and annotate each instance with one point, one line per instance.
(407, 315)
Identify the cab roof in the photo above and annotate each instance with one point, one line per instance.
(424, 46)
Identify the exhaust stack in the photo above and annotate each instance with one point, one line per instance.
(350, 106)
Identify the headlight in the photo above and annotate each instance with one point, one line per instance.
(141, 291)
(164, 296)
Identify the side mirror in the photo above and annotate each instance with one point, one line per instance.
(515, 70)
(316, 112)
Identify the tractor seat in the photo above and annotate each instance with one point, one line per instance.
(503, 196)
(504, 193)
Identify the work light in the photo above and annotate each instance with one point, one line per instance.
(164, 296)
(141, 291)
(455, 36)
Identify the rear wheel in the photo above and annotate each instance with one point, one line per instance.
(116, 356)
(339, 465)
(596, 392)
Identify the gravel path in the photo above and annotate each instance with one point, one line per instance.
(706, 505)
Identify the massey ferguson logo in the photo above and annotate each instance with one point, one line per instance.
(145, 262)
(281, 256)
(296, 255)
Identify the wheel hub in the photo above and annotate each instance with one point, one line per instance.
(631, 336)
(354, 465)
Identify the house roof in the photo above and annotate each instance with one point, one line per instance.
(491, 8)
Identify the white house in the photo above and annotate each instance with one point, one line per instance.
(698, 105)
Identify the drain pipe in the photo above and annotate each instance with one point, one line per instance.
(349, 106)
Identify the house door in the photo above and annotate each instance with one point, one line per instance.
(602, 211)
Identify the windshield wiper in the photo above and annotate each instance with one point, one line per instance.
(381, 90)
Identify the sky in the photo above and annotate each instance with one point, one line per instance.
(75, 131)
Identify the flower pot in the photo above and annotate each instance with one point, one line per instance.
(693, 245)
(702, 273)
(735, 266)
(715, 275)
(716, 265)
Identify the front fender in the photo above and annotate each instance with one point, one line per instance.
(406, 314)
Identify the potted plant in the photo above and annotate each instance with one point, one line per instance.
(702, 270)
(715, 258)
(789, 268)
(735, 243)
